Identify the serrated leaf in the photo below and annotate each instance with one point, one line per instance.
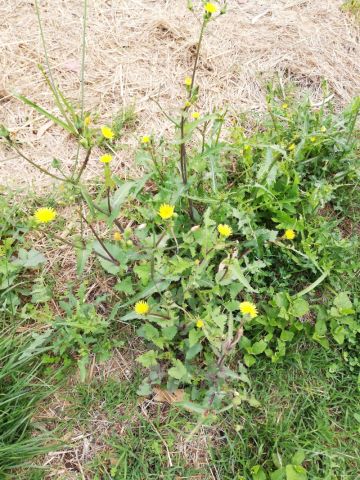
(148, 359)
(300, 307)
(30, 259)
(178, 371)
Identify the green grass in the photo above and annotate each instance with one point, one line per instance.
(20, 393)
(307, 402)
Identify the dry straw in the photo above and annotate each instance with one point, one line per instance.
(142, 49)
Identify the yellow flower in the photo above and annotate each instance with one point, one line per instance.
(323, 129)
(87, 120)
(141, 308)
(289, 234)
(145, 139)
(199, 324)
(117, 236)
(106, 158)
(188, 81)
(292, 147)
(210, 8)
(195, 115)
(107, 133)
(285, 106)
(187, 104)
(45, 215)
(224, 230)
(312, 139)
(248, 308)
(166, 211)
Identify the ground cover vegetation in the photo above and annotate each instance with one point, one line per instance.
(233, 259)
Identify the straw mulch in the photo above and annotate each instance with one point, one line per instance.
(138, 50)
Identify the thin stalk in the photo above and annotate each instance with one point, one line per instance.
(41, 169)
(54, 88)
(113, 259)
(84, 165)
(82, 75)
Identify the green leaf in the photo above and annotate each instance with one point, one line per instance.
(339, 334)
(125, 286)
(298, 457)
(169, 332)
(300, 307)
(236, 270)
(249, 360)
(30, 259)
(149, 332)
(148, 359)
(279, 474)
(258, 347)
(343, 304)
(46, 114)
(178, 371)
(118, 199)
(258, 473)
(295, 472)
(286, 335)
(82, 256)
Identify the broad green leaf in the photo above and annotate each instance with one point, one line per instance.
(125, 286)
(148, 359)
(298, 457)
(258, 347)
(30, 259)
(286, 335)
(343, 304)
(300, 307)
(279, 474)
(249, 360)
(295, 472)
(339, 334)
(178, 371)
(258, 473)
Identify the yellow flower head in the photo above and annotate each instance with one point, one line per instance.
(289, 234)
(210, 8)
(117, 236)
(106, 158)
(312, 139)
(166, 211)
(195, 115)
(107, 133)
(188, 81)
(224, 230)
(141, 308)
(285, 106)
(187, 104)
(87, 120)
(145, 139)
(248, 308)
(199, 324)
(45, 215)
(323, 129)
(292, 147)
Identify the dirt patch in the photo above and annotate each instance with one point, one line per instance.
(142, 49)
